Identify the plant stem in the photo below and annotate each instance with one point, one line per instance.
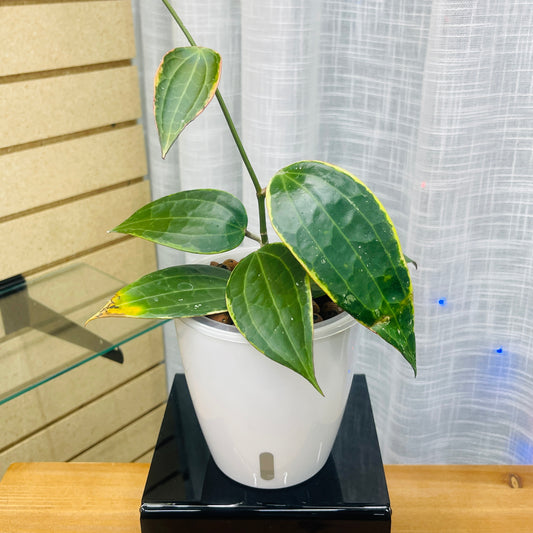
(179, 22)
(253, 236)
(259, 191)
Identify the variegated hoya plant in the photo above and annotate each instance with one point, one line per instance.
(335, 237)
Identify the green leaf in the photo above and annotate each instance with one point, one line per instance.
(269, 299)
(179, 291)
(185, 83)
(344, 238)
(204, 221)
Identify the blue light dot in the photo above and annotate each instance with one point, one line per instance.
(499, 350)
(442, 301)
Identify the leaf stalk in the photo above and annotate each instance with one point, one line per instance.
(252, 236)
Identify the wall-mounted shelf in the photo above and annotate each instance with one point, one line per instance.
(42, 333)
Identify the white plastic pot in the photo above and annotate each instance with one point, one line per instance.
(265, 425)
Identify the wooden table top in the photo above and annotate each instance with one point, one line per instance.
(105, 497)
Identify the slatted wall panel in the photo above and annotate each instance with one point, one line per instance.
(72, 166)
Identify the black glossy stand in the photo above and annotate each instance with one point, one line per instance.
(186, 492)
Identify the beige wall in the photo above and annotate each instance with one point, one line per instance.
(72, 166)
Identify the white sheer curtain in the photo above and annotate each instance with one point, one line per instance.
(430, 103)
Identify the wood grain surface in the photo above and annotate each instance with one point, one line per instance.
(105, 497)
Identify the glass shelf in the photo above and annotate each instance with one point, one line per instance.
(42, 332)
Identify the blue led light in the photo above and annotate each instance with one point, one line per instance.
(499, 350)
(441, 302)
(522, 451)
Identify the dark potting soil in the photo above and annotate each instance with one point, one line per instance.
(323, 306)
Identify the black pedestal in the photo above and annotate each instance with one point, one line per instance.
(186, 492)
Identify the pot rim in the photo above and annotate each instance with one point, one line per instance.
(211, 327)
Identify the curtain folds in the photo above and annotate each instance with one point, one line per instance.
(430, 104)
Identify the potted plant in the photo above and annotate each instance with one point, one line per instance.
(336, 239)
